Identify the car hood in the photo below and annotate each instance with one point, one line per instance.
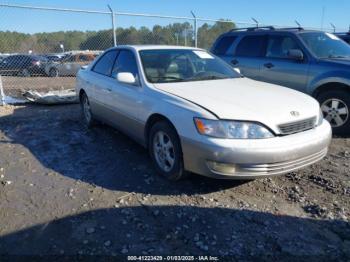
(339, 61)
(246, 99)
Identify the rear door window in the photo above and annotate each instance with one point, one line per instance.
(105, 64)
(278, 46)
(251, 46)
(224, 45)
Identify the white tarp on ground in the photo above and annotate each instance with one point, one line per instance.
(12, 101)
(51, 97)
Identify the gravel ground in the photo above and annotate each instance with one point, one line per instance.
(65, 190)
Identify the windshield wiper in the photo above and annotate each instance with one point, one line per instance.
(168, 77)
(338, 56)
(208, 78)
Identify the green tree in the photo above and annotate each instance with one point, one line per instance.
(171, 34)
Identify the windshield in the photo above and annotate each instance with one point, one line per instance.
(326, 45)
(173, 65)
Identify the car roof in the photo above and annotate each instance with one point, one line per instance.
(155, 47)
(346, 34)
(268, 29)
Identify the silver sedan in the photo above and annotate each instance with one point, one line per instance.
(196, 114)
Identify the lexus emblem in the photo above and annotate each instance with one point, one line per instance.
(295, 113)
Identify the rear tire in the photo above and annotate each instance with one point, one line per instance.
(165, 151)
(335, 105)
(24, 73)
(86, 111)
(53, 72)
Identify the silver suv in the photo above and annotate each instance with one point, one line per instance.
(313, 62)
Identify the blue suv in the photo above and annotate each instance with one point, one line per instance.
(344, 36)
(313, 62)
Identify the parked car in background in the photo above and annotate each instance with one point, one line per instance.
(314, 62)
(195, 113)
(69, 65)
(23, 65)
(344, 36)
(54, 57)
(2, 57)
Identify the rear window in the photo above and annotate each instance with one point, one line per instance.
(251, 46)
(39, 58)
(86, 58)
(224, 44)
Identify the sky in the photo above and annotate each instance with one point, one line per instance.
(307, 12)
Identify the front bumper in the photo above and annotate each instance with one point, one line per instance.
(257, 158)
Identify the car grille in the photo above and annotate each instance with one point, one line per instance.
(296, 127)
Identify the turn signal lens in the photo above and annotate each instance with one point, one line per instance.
(200, 126)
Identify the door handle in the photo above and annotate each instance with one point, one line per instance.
(235, 62)
(107, 89)
(269, 65)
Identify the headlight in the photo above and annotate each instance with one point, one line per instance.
(320, 118)
(231, 129)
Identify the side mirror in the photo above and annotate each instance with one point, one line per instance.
(295, 54)
(237, 70)
(84, 67)
(126, 78)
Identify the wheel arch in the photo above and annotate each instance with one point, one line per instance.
(330, 86)
(81, 92)
(152, 119)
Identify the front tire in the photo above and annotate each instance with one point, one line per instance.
(24, 73)
(165, 150)
(53, 72)
(86, 111)
(335, 106)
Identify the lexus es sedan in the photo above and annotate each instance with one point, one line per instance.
(194, 113)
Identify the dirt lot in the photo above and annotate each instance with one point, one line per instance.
(14, 86)
(65, 190)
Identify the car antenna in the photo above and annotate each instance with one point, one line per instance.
(256, 22)
(333, 26)
(298, 24)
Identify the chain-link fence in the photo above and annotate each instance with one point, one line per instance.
(46, 49)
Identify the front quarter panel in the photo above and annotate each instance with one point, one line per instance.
(319, 75)
(179, 112)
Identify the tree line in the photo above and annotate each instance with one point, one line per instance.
(172, 34)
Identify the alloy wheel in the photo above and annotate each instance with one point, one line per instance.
(335, 111)
(86, 109)
(25, 73)
(164, 152)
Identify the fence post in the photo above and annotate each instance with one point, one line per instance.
(113, 26)
(2, 95)
(195, 30)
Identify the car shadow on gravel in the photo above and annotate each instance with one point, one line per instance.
(57, 138)
(180, 230)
